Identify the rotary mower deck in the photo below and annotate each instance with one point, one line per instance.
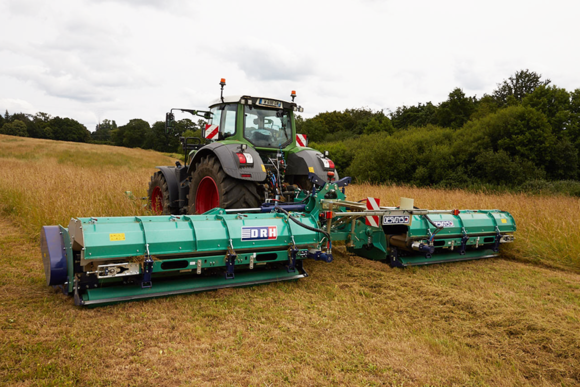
(108, 260)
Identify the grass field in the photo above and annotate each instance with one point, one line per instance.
(510, 321)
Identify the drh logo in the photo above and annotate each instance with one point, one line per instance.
(259, 233)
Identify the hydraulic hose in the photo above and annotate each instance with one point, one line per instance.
(438, 228)
(327, 235)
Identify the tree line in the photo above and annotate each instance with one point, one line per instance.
(137, 133)
(526, 133)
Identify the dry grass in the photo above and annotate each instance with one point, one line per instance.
(46, 182)
(352, 322)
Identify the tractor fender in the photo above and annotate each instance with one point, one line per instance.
(308, 160)
(170, 174)
(226, 154)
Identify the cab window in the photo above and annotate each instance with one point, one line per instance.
(224, 116)
(270, 128)
(216, 117)
(229, 121)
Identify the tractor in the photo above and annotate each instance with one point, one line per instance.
(250, 154)
(268, 202)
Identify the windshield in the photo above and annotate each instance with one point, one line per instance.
(270, 128)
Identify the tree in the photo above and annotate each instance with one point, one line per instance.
(67, 129)
(14, 128)
(517, 130)
(31, 127)
(379, 124)
(555, 103)
(573, 127)
(103, 130)
(160, 141)
(42, 122)
(485, 106)
(501, 169)
(315, 129)
(456, 111)
(131, 135)
(418, 116)
(517, 86)
(563, 164)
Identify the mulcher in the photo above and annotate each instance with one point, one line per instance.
(296, 210)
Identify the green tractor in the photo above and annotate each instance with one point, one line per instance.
(251, 155)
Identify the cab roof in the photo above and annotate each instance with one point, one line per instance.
(237, 98)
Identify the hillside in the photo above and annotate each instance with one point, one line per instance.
(507, 321)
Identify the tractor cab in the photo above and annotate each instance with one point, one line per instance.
(260, 122)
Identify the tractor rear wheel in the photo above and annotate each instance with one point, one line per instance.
(158, 195)
(211, 187)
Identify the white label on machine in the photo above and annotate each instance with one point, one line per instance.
(258, 233)
(444, 223)
(269, 103)
(388, 220)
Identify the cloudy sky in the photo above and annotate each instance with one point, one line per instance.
(121, 59)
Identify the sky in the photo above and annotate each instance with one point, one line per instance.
(92, 60)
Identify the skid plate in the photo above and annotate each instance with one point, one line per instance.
(169, 287)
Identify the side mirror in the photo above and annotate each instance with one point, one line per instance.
(169, 122)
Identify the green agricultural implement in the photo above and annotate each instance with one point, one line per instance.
(249, 206)
(109, 260)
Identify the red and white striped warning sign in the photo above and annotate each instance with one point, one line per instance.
(373, 204)
(301, 140)
(211, 132)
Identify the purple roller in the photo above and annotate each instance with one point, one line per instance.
(53, 255)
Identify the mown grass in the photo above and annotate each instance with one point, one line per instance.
(352, 322)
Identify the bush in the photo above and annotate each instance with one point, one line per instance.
(537, 186)
(567, 187)
(15, 128)
(563, 187)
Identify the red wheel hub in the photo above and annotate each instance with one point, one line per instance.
(157, 201)
(207, 196)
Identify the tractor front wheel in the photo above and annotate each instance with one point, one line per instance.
(211, 187)
(158, 195)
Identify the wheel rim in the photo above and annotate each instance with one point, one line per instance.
(157, 201)
(207, 196)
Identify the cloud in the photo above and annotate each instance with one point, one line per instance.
(85, 61)
(28, 8)
(156, 4)
(16, 106)
(271, 62)
(63, 85)
(469, 77)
